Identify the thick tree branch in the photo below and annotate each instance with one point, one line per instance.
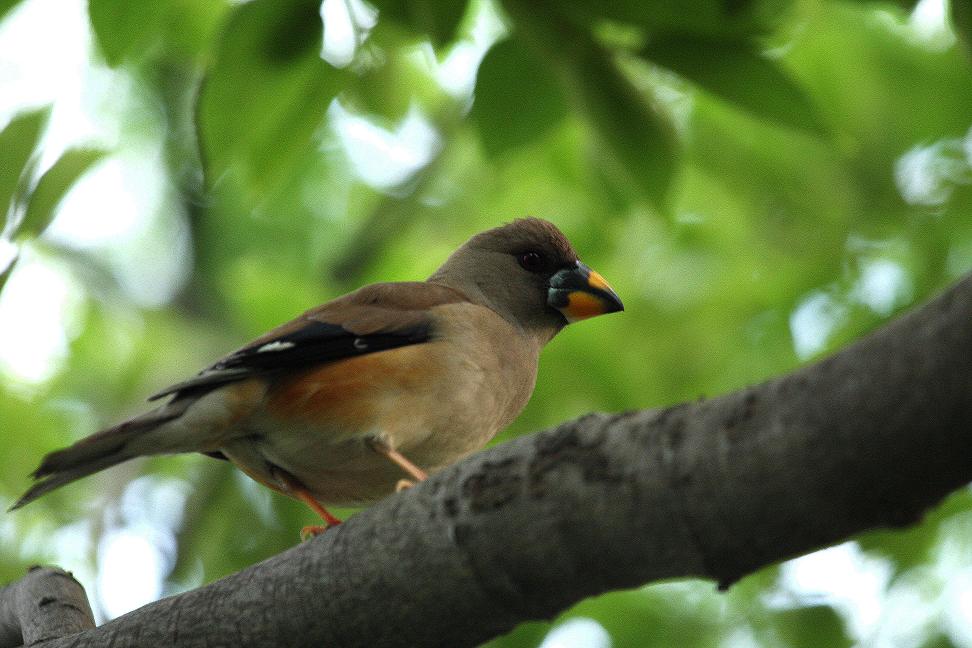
(45, 604)
(870, 437)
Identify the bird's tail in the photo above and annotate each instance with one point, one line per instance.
(96, 452)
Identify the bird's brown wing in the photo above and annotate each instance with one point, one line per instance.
(375, 318)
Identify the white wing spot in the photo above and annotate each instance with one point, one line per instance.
(360, 344)
(276, 345)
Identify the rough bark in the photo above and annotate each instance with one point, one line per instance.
(870, 437)
(45, 604)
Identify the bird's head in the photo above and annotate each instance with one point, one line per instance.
(528, 272)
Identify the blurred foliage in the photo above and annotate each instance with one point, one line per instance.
(28, 199)
(51, 188)
(277, 100)
(762, 181)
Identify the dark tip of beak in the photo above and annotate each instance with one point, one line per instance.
(579, 293)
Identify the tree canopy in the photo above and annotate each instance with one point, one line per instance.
(762, 181)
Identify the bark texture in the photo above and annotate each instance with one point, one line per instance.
(45, 604)
(870, 437)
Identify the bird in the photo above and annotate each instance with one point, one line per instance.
(373, 391)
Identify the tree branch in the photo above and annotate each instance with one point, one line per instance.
(870, 437)
(45, 604)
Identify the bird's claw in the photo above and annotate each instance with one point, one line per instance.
(313, 530)
(403, 484)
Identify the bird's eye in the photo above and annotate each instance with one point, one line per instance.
(531, 261)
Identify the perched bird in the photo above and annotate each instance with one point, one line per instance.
(373, 390)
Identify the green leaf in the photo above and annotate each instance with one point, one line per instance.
(6, 6)
(738, 73)
(7, 271)
(393, 82)
(634, 143)
(961, 13)
(265, 95)
(125, 28)
(437, 19)
(52, 187)
(18, 140)
(914, 545)
(128, 30)
(517, 98)
(637, 139)
(815, 626)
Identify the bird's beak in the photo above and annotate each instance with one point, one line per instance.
(580, 292)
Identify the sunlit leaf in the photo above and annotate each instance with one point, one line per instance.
(525, 635)
(128, 30)
(517, 98)
(437, 19)
(7, 5)
(191, 25)
(392, 86)
(52, 186)
(737, 72)
(265, 94)
(18, 140)
(122, 28)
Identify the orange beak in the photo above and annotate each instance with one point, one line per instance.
(579, 293)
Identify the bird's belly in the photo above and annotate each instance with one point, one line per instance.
(318, 427)
(348, 473)
(343, 470)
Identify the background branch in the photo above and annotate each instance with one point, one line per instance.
(47, 603)
(869, 437)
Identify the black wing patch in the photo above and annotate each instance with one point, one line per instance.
(315, 343)
(312, 344)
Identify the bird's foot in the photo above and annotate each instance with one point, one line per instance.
(404, 484)
(314, 530)
(298, 490)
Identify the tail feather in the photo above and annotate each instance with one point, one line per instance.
(60, 478)
(91, 454)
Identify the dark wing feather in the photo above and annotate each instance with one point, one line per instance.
(375, 318)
